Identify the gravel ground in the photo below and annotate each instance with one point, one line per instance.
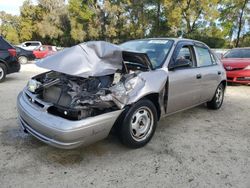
(195, 148)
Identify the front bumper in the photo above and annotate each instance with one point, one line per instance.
(239, 76)
(60, 132)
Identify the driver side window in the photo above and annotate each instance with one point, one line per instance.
(187, 53)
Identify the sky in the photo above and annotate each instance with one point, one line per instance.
(11, 6)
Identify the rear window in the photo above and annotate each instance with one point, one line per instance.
(238, 53)
(34, 44)
(4, 45)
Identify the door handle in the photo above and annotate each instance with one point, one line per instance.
(198, 76)
(219, 72)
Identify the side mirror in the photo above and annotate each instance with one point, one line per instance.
(180, 63)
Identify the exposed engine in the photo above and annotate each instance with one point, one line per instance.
(74, 97)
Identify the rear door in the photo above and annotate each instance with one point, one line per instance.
(184, 83)
(210, 71)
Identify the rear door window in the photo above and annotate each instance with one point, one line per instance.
(205, 58)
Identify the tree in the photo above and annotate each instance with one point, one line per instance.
(80, 14)
(234, 13)
(189, 14)
(9, 27)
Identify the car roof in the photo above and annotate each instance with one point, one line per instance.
(241, 48)
(173, 39)
(32, 41)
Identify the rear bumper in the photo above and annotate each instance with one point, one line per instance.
(241, 76)
(13, 66)
(60, 132)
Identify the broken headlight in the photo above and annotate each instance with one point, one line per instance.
(121, 88)
(130, 84)
(33, 85)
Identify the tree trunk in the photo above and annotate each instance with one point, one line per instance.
(158, 16)
(240, 23)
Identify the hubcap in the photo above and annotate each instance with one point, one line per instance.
(1, 73)
(219, 95)
(22, 60)
(142, 123)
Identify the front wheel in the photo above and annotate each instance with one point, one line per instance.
(218, 98)
(139, 124)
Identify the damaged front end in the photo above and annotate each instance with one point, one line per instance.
(78, 92)
(76, 98)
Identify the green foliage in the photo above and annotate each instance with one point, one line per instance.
(215, 22)
(9, 27)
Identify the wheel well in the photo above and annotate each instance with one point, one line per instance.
(154, 98)
(2, 62)
(224, 82)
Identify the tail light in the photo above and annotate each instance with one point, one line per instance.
(12, 52)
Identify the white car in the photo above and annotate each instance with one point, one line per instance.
(30, 45)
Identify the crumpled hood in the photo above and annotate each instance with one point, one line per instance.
(96, 58)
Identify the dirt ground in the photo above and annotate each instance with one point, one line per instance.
(195, 148)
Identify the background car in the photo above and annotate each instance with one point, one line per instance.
(8, 59)
(219, 52)
(237, 64)
(43, 51)
(30, 45)
(24, 55)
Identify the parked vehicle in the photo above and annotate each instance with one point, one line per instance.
(219, 52)
(8, 59)
(30, 45)
(24, 55)
(237, 65)
(96, 86)
(43, 51)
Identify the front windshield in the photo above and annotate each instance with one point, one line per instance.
(238, 53)
(156, 49)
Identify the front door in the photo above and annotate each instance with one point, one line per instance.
(184, 82)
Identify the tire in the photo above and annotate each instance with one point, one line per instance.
(3, 72)
(139, 124)
(23, 60)
(218, 98)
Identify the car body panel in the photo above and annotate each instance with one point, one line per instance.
(26, 53)
(10, 61)
(43, 51)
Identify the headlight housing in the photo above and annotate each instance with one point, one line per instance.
(130, 84)
(33, 85)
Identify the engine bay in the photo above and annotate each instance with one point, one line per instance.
(76, 98)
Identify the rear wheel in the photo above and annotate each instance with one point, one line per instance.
(218, 98)
(23, 60)
(3, 72)
(139, 124)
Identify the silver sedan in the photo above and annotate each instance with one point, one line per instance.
(94, 87)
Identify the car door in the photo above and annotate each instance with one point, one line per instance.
(184, 85)
(209, 69)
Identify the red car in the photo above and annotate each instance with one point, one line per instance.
(43, 51)
(237, 64)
